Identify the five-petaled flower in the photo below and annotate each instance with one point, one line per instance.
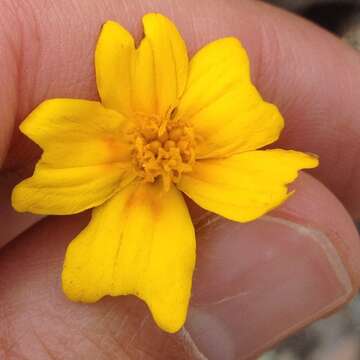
(163, 125)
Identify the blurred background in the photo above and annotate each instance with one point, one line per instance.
(338, 336)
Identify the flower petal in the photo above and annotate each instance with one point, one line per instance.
(76, 132)
(113, 60)
(64, 191)
(140, 242)
(245, 186)
(226, 110)
(84, 162)
(160, 67)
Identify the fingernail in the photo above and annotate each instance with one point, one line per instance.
(256, 283)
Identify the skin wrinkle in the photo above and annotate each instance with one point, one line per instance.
(30, 52)
(136, 337)
(224, 299)
(42, 343)
(110, 312)
(140, 350)
(8, 101)
(191, 349)
(127, 347)
(16, 355)
(205, 219)
(26, 56)
(131, 345)
(121, 330)
(119, 343)
(6, 345)
(8, 9)
(137, 332)
(121, 327)
(269, 42)
(84, 335)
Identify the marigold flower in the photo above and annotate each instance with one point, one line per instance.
(163, 125)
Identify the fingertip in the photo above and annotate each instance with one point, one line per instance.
(259, 282)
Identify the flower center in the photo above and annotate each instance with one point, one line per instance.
(162, 148)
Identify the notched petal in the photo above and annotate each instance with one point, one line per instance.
(140, 242)
(85, 159)
(227, 112)
(160, 68)
(244, 187)
(113, 60)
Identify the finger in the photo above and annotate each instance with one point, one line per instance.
(309, 73)
(260, 282)
(254, 284)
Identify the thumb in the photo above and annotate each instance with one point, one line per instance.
(259, 282)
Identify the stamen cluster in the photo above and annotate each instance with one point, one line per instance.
(162, 148)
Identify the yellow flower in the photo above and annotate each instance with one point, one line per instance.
(164, 124)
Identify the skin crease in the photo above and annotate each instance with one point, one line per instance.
(47, 51)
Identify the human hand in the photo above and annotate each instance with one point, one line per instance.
(254, 284)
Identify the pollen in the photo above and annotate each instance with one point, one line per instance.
(162, 149)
